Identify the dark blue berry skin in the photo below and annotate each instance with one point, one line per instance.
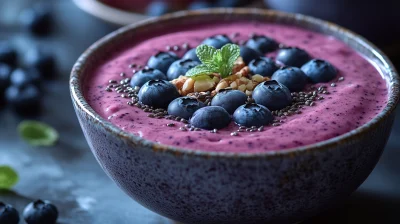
(145, 75)
(184, 107)
(191, 54)
(249, 54)
(21, 77)
(37, 20)
(262, 44)
(217, 41)
(8, 54)
(263, 66)
(5, 72)
(230, 100)
(158, 93)
(200, 5)
(162, 61)
(8, 214)
(157, 8)
(41, 61)
(318, 70)
(40, 212)
(272, 95)
(293, 78)
(211, 117)
(24, 100)
(293, 56)
(252, 115)
(180, 67)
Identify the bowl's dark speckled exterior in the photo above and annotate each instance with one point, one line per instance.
(202, 187)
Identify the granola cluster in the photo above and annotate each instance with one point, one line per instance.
(239, 80)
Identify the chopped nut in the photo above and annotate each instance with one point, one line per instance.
(257, 78)
(188, 86)
(248, 93)
(242, 87)
(250, 86)
(222, 85)
(234, 85)
(203, 85)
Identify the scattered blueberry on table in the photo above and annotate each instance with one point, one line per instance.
(37, 20)
(40, 212)
(8, 214)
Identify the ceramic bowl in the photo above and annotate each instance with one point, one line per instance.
(204, 187)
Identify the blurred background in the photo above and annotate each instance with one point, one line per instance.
(41, 40)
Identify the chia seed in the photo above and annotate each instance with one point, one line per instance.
(182, 129)
(184, 121)
(132, 65)
(276, 124)
(111, 81)
(234, 134)
(214, 130)
(341, 78)
(108, 89)
(185, 46)
(191, 129)
(333, 84)
(261, 128)
(122, 74)
(168, 48)
(197, 129)
(151, 115)
(176, 48)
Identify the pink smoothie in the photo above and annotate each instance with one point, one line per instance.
(353, 102)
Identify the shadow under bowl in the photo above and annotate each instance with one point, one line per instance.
(205, 187)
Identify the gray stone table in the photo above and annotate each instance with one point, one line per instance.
(68, 174)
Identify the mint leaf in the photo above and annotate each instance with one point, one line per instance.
(8, 177)
(200, 70)
(230, 53)
(37, 133)
(206, 54)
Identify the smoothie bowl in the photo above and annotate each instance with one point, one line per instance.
(290, 119)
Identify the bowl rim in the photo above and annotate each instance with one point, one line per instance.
(393, 88)
(108, 13)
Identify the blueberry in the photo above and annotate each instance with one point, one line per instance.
(211, 117)
(157, 8)
(5, 72)
(37, 20)
(292, 77)
(200, 5)
(21, 77)
(180, 67)
(318, 70)
(249, 54)
(263, 66)
(40, 212)
(24, 99)
(293, 56)
(42, 61)
(262, 44)
(158, 93)
(145, 75)
(229, 99)
(252, 115)
(8, 54)
(217, 41)
(162, 61)
(184, 107)
(191, 54)
(272, 95)
(8, 214)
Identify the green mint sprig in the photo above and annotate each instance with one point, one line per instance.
(215, 60)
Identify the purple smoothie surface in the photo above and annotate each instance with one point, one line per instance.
(353, 102)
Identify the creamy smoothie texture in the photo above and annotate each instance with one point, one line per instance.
(352, 101)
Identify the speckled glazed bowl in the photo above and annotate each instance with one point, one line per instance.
(203, 187)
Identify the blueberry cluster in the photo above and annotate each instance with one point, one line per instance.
(21, 87)
(289, 73)
(21, 78)
(37, 212)
(159, 7)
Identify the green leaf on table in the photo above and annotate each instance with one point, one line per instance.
(8, 177)
(37, 133)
